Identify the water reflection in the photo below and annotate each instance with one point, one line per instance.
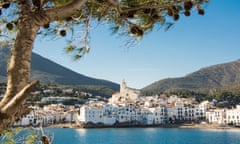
(81, 132)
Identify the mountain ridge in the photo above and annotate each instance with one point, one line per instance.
(48, 71)
(214, 76)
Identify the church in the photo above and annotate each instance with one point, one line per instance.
(126, 94)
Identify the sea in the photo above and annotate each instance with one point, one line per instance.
(144, 136)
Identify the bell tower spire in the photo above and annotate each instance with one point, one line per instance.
(123, 85)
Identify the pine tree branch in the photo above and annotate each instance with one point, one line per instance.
(18, 100)
(64, 11)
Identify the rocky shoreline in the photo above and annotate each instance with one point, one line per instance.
(181, 126)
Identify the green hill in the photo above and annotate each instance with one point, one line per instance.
(216, 76)
(49, 72)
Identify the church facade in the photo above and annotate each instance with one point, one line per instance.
(126, 94)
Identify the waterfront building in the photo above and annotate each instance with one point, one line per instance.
(30, 119)
(204, 106)
(157, 115)
(50, 114)
(109, 114)
(91, 114)
(216, 116)
(233, 116)
(177, 111)
(171, 113)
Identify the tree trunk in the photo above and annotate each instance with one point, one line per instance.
(18, 72)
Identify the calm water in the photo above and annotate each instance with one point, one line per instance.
(144, 136)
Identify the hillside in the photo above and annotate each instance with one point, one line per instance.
(216, 76)
(50, 72)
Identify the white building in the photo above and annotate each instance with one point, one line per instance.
(181, 112)
(127, 113)
(109, 114)
(51, 114)
(29, 119)
(233, 116)
(216, 116)
(157, 115)
(203, 108)
(91, 114)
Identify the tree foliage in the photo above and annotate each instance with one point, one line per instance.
(26, 136)
(131, 18)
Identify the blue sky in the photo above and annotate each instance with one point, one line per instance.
(192, 43)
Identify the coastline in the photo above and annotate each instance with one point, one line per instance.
(180, 126)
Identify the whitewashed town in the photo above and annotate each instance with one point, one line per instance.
(128, 108)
